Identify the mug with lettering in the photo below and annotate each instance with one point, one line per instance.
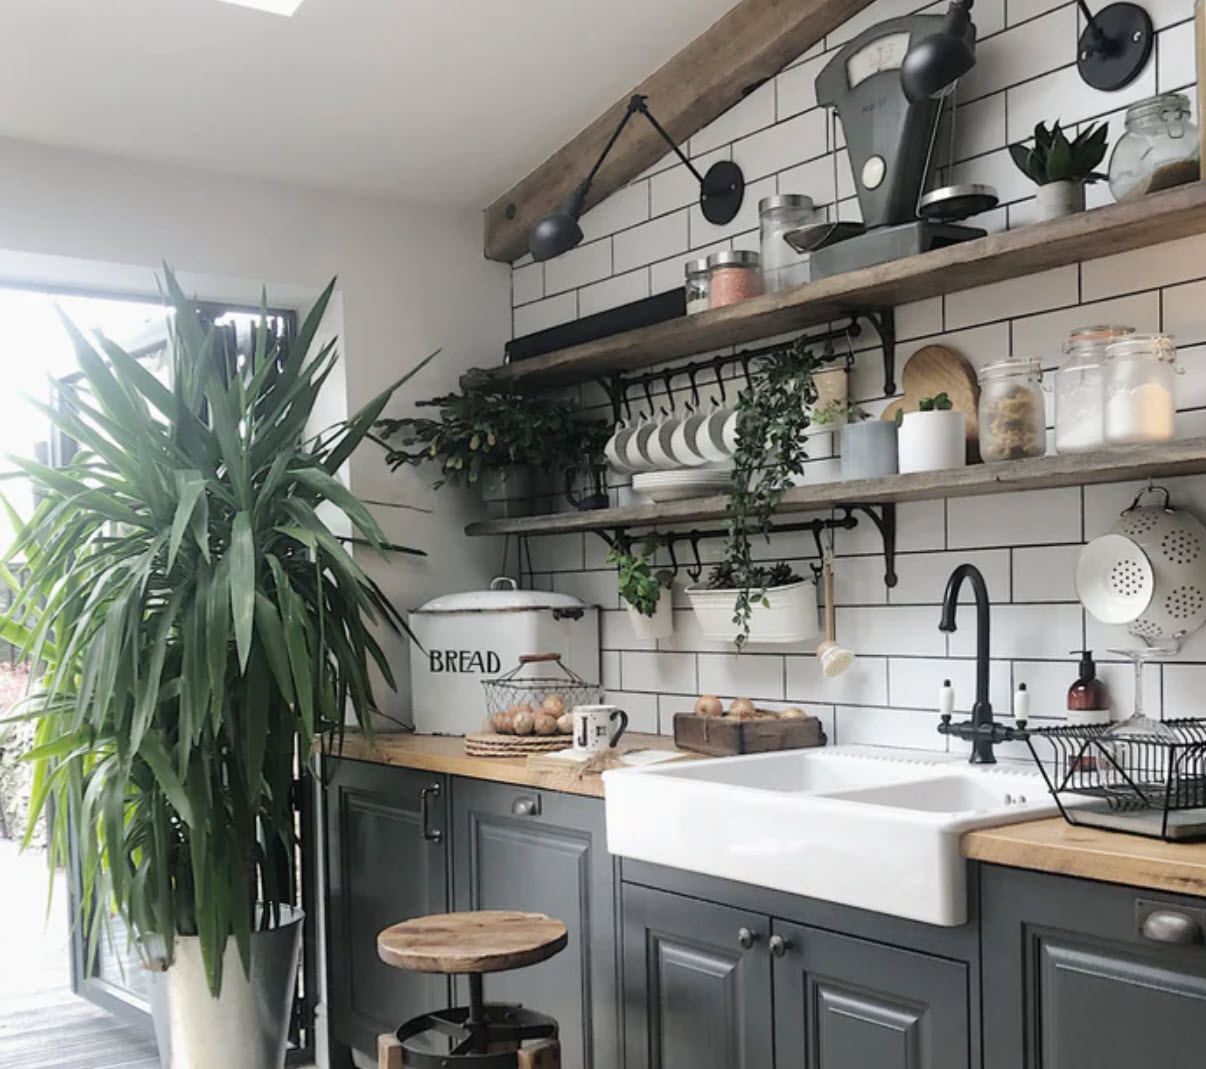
(595, 727)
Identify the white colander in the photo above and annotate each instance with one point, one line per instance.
(1148, 573)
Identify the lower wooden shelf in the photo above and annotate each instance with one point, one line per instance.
(1184, 457)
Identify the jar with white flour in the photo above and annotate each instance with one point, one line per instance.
(1079, 392)
(1140, 389)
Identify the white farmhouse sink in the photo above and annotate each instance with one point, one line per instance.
(875, 829)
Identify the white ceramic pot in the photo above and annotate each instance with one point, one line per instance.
(1054, 200)
(868, 449)
(790, 617)
(931, 441)
(660, 624)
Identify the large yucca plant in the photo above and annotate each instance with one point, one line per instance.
(195, 625)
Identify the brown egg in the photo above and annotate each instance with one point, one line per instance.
(543, 724)
(565, 724)
(523, 723)
(553, 704)
(742, 707)
(709, 705)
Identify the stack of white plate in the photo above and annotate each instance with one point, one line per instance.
(661, 486)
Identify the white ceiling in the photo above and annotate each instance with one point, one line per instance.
(442, 101)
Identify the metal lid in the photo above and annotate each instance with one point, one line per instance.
(734, 258)
(504, 595)
(785, 200)
(696, 267)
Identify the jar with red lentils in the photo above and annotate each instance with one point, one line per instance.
(734, 275)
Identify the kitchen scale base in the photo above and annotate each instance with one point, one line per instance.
(885, 243)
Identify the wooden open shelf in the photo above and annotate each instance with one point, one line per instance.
(1185, 457)
(1176, 213)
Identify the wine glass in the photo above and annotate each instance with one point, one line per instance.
(1139, 725)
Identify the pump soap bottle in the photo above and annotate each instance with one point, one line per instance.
(1087, 699)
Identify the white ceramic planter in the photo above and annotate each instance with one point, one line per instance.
(931, 441)
(660, 624)
(790, 617)
(1057, 199)
(869, 449)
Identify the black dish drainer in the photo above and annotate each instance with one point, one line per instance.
(1151, 784)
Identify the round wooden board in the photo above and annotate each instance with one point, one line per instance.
(486, 941)
(491, 744)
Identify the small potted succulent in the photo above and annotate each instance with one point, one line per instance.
(1061, 168)
(646, 593)
(933, 438)
(868, 445)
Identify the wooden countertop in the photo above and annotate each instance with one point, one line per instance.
(446, 753)
(1058, 847)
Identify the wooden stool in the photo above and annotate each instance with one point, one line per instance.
(472, 944)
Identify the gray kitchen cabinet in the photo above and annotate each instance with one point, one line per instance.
(1075, 975)
(387, 860)
(546, 852)
(697, 984)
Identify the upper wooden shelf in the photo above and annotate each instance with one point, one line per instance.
(1185, 457)
(1176, 213)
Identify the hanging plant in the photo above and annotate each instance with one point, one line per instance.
(640, 586)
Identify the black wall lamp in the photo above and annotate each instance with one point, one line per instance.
(1115, 46)
(934, 64)
(721, 192)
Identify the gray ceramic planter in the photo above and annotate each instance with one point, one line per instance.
(510, 492)
(868, 449)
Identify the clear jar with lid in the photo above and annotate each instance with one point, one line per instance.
(1140, 389)
(733, 275)
(1158, 150)
(1079, 389)
(1013, 414)
(697, 286)
(782, 266)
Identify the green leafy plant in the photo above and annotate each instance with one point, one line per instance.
(940, 403)
(640, 586)
(724, 576)
(838, 412)
(481, 431)
(772, 424)
(196, 627)
(1053, 158)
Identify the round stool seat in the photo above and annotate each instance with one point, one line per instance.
(486, 941)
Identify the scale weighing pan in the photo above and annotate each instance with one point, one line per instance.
(952, 204)
(819, 235)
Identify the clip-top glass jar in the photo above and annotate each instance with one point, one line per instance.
(782, 266)
(1079, 384)
(697, 286)
(1013, 415)
(1159, 149)
(734, 275)
(1140, 389)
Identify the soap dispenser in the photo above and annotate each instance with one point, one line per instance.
(1087, 700)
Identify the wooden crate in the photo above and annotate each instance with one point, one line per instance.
(723, 736)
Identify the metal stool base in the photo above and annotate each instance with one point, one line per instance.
(470, 1040)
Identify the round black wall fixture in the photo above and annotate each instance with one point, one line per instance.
(721, 192)
(1115, 47)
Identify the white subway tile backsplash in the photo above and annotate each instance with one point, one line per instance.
(797, 89)
(1021, 53)
(1018, 631)
(922, 577)
(753, 113)
(1065, 96)
(659, 672)
(1045, 573)
(578, 267)
(907, 729)
(865, 682)
(594, 588)
(782, 145)
(741, 675)
(1042, 336)
(1184, 690)
(891, 629)
(623, 209)
(915, 683)
(550, 312)
(670, 274)
(678, 187)
(655, 240)
(614, 292)
(616, 633)
(1032, 517)
(1175, 58)
(527, 284)
(1021, 10)
(1147, 268)
(641, 709)
(1014, 297)
(1185, 313)
(816, 178)
(609, 669)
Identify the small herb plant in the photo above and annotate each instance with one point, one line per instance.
(483, 431)
(766, 576)
(1054, 158)
(640, 586)
(940, 403)
(837, 412)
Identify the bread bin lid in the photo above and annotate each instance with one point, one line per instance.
(504, 595)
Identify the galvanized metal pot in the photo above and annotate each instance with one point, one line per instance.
(247, 1026)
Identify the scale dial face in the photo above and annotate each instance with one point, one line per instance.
(885, 53)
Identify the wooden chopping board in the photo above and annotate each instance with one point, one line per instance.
(936, 369)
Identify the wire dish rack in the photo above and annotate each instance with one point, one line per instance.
(1151, 784)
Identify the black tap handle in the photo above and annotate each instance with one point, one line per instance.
(946, 718)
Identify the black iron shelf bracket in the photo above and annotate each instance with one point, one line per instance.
(884, 322)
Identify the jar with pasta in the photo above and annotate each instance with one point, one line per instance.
(1013, 419)
(1140, 389)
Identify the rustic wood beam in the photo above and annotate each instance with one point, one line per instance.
(750, 44)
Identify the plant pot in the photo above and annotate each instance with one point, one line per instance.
(931, 441)
(1054, 200)
(868, 449)
(508, 492)
(247, 1026)
(660, 624)
(790, 617)
(833, 384)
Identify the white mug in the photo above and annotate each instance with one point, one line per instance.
(593, 727)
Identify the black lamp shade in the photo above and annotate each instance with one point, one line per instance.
(935, 63)
(553, 235)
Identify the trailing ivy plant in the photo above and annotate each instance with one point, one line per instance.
(640, 586)
(838, 412)
(772, 424)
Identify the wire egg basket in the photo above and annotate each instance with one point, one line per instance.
(520, 686)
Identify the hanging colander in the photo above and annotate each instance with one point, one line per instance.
(1148, 573)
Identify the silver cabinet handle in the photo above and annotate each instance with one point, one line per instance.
(526, 807)
(778, 945)
(432, 835)
(746, 938)
(1172, 926)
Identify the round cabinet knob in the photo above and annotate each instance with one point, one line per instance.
(1171, 926)
(779, 946)
(746, 938)
(525, 807)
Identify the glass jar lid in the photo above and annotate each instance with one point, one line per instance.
(1161, 108)
(1150, 346)
(1084, 341)
(734, 258)
(785, 200)
(696, 267)
(1012, 367)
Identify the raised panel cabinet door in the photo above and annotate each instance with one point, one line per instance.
(697, 984)
(1072, 981)
(545, 852)
(387, 832)
(846, 1003)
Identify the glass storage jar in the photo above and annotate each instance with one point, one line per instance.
(1158, 150)
(1013, 418)
(782, 266)
(733, 275)
(697, 286)
(1079, 397)
(1140, 389)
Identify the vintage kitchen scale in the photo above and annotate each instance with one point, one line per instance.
(888, 85)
